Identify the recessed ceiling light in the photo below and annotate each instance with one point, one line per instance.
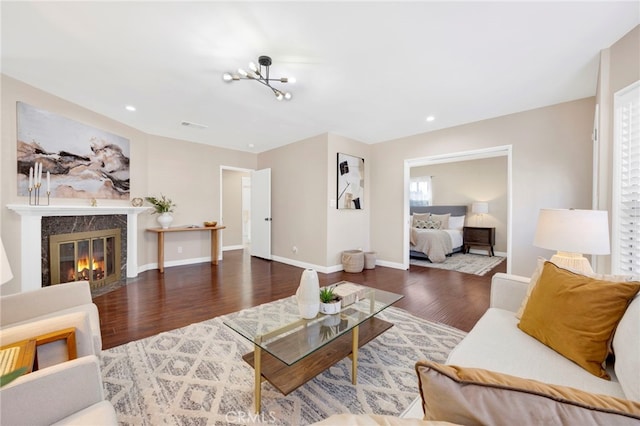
(430, 118)
(251, 145)
(130, 108)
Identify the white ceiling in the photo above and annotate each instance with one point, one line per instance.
(371, 71)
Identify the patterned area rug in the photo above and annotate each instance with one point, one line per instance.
(469, 263)
(195, 375)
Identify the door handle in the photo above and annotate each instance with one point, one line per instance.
(268, 219)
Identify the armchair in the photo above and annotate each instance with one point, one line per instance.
(69, 393)
(49, 302)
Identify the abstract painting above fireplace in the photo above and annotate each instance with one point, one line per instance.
(84, 162)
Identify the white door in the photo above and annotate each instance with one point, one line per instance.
(261, 213)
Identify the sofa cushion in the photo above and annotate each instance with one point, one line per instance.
(496, 343)
(626, 347)
(479, 397)
(576, 315)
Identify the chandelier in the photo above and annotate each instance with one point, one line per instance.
(261, 75)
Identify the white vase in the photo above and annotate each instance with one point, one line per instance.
(308, 294)
(165, 220)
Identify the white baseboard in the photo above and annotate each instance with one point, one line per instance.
(171, 263)
(236, 247)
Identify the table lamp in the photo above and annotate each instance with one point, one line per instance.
(5, 268)
(480, 208)
(573, 233)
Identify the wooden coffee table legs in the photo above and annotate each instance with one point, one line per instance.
(354, 355)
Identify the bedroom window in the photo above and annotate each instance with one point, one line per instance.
(625, 250)
(420, 191)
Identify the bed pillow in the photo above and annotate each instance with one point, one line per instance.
(576, 315)
(473, 396)
(456, 223)
(443, 219)
(419, 217)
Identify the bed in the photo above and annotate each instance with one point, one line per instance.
(436, 244)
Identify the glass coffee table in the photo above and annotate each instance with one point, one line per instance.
(289, 350)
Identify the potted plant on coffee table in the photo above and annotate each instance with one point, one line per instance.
(330, 303)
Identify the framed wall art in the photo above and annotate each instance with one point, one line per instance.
(350, 195)
(82, 161)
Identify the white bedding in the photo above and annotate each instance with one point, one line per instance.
(431, 243)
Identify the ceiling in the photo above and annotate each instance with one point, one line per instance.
(370, 71)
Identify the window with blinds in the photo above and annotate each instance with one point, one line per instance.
(625, 244)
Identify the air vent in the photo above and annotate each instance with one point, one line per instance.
(194, 125)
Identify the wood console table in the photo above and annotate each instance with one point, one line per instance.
(161, 232)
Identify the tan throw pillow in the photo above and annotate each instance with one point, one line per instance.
(576, 315)
(419, 217)
(473, 396)
(443, 219)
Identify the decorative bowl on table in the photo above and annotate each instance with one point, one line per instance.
(210, 224)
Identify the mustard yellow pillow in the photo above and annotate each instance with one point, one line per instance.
(576, 315)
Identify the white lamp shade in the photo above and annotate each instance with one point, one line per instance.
(480, 208)
(5, 268)
(574, 231)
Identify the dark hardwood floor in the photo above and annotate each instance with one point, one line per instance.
(154, 302)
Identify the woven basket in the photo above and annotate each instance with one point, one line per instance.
(353, 261)
(370, 260)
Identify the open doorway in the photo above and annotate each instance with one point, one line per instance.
(443, 160)
(235, 207)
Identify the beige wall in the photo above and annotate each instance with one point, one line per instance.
(186, 172)
(464, 182)
(619, 67)
(346, 229)
(551, 161)
(303, 196)
(298, 185)
(232, 206)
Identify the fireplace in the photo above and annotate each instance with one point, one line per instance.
(85, 256)
(35, 226)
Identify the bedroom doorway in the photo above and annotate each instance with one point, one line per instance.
(466, 194)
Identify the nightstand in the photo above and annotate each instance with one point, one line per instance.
(478, 236)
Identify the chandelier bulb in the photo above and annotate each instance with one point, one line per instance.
(227, 77)
(291, 80)
(279, 95)
(253, 67)
(242, 72)
(287, 96)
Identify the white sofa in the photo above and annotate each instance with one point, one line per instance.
(496, 344)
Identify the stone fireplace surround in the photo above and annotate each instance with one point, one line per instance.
(31, 235)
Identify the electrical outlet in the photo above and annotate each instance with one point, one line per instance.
(179, 249)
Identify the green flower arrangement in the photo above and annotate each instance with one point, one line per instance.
(162, 204)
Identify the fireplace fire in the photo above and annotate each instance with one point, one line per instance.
(85, 256)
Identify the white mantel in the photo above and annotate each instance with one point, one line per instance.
(31, 231)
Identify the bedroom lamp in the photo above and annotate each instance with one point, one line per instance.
(480, 208)
(573, 233)
(5, 268)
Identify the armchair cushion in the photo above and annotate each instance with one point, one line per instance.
(54, 352)
(49, 302)
(473, 396)
(53, 394)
